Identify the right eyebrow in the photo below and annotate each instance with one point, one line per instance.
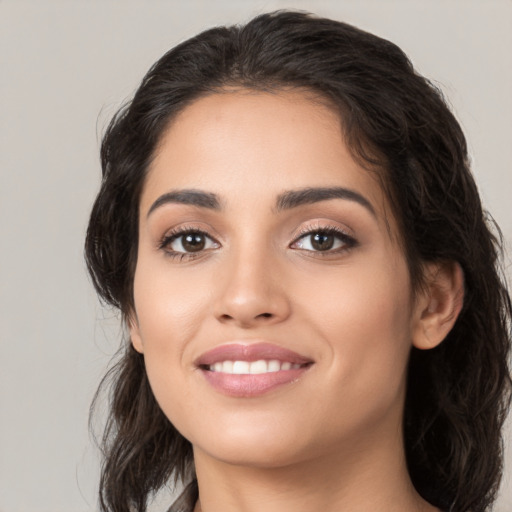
(192, 197)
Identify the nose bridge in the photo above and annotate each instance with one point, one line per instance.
(252, 292)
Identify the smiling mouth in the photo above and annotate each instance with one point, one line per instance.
(251, 370)
(253, 367)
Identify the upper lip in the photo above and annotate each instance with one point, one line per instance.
(250, 352)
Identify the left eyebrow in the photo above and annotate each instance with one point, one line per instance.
(293, 198)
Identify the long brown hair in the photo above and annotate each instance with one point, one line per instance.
(458, 393)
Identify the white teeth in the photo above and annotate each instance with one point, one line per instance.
(258, 367)
(274, 366)
(253, 368)
(240, 367)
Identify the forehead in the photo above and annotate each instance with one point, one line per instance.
(244, 144)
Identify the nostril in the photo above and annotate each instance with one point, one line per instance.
(266, 315)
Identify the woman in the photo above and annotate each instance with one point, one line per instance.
(288, 223)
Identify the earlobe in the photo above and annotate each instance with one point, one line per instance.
(135, 337)
(439, 305)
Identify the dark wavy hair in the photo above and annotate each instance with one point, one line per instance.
(394, 119)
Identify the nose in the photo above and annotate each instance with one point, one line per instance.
(252, 293)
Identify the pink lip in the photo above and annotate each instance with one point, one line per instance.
(246, 386)
(251, 352)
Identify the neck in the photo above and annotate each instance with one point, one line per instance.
(370, 477)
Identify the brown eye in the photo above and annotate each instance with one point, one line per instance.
(188, 242)
(322, 241)
(193, 242)
(325, 240)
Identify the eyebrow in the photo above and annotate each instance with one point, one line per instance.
(285, 201)
(190, 197)
(294, 198)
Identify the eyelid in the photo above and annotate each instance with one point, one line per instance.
(173, 235)
(182, 230)
(348, 240)
(322, 224)
(185, 227)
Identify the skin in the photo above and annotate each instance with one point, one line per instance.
(331, 440)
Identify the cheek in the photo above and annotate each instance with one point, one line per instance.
(168, 305)
(170, 310)
(365, 318)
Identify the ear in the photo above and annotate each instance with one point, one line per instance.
(135, 337)
(439, 304)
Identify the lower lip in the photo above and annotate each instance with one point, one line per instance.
(246, 386)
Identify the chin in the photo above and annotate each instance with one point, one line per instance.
(261, 443)
(252, 454)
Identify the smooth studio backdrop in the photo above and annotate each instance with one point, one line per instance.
(65, 67)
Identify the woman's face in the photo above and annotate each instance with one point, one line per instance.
(272, 300)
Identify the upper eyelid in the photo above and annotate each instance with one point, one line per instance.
(190, 228)
(321, 225)
(330, 230)
(345, 235)
(333, 231)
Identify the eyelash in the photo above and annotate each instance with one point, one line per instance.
(348, 241)
(181, 232)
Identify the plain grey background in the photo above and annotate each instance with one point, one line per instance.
(66, 66)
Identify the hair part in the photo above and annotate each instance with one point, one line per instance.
(395, 121)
